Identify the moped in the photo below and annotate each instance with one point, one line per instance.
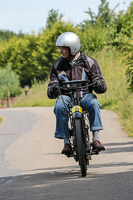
(78, 123)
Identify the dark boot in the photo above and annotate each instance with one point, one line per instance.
(98, 146)
(67, 150)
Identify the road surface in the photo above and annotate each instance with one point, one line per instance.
(32, 167)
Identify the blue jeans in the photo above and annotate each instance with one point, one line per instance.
(89, 103)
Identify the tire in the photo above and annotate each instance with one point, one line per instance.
(80, 147)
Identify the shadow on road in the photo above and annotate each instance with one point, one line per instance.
(119, 144)
(119, 147)
(67, 185)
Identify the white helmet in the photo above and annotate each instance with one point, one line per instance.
(69, 39)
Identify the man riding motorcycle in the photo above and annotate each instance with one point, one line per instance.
(75, 65)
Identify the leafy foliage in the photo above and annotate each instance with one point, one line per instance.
(129, 62)
(32, 56)
(53, 17)
(5, 35)
(105, 14)
(123, 39)
(94, 35)
(92, 38)
(121, 28)
(9, 83)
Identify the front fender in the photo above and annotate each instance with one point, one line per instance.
(77, 115)
(77, 111)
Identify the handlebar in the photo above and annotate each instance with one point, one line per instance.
(75, 84)
(75, 81)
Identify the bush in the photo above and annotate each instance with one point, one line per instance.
(93, 38)
(129, 63)
(9, 83)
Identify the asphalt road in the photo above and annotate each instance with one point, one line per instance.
(32, 168)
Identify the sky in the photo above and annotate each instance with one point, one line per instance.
(31, 15)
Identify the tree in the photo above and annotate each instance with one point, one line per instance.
(104, 16)
(5, 35)
(123, 27)
(53, 16)
(32, 56)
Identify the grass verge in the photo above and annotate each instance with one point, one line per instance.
(117, 98)
(37, 96)
(0, 119)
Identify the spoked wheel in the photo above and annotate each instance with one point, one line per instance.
(80, 147)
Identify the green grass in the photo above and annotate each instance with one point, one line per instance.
(0, 119)
(117, 98)
(37, 96)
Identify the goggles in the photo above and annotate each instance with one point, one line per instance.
(63, 49)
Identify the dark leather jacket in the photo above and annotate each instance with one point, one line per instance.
(83, 68)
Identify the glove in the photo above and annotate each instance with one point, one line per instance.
(99, 86)
(53, 91)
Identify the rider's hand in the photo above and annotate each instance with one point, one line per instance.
(53, 91)
(98, 86)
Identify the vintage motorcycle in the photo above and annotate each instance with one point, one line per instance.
(82, 147)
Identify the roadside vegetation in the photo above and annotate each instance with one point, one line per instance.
(36, 96)
(107, 37)
(117, 98)
(9, 83)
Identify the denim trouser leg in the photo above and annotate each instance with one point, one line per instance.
(90, 103)
(62, 130)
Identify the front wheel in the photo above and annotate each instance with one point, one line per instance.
(80, 146)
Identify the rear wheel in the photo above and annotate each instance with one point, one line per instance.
(80, 146)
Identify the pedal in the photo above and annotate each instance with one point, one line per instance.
(69, 155)
(95, 152)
